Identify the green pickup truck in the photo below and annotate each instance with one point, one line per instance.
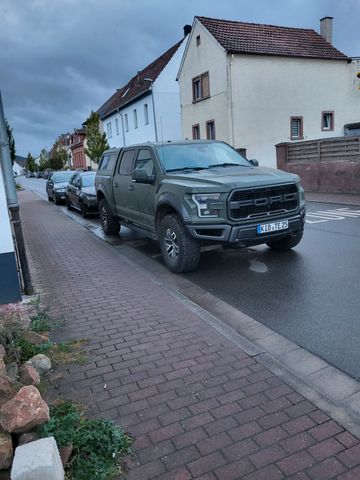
(192, 193)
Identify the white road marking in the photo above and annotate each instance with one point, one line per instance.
(335, 214)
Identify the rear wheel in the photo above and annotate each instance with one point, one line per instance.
(109, 223)
(180, 252)
(286, 243)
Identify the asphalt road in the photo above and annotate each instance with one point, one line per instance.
(311, 294)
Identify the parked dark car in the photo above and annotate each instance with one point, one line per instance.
(80, 193)
(56, 186)
(39, 175)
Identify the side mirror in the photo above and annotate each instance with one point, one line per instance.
(140, 176)
(254, 162)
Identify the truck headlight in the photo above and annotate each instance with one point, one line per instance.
(301, 194)
(207, 205)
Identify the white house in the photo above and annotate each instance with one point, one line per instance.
(147, 108)
(254, 86)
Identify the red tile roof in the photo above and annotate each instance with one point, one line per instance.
(137, 86)
(257, 39)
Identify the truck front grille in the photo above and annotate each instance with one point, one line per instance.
(263, 201)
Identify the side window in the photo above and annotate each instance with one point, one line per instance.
(104, 162)
(145, 162)
(111, 162)
(75, 180)
(126, 162)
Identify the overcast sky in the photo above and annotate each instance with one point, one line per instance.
(60, 59)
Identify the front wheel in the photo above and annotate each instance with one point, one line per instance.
(109, 223)
(83, 209)
(180, 252)
(68, 203)
(286, 243)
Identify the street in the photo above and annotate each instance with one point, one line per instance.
(310, 295)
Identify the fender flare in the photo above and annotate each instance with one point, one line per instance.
(174, 202)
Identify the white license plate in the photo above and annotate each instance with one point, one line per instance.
(272, 227)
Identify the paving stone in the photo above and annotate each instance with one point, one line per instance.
(197, 406)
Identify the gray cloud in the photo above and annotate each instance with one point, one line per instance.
(61, 58)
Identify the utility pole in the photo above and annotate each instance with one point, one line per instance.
(12, 201)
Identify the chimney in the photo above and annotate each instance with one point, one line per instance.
(187, 30)
(326, 28)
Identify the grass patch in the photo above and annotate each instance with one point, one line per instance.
(28, 350)
(98, 445)
(69, 352)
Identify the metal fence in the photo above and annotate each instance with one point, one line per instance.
(325, 150)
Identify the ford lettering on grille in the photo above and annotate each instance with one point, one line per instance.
(263, 201)
(260, 202)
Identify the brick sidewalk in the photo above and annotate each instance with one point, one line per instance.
(197, 406)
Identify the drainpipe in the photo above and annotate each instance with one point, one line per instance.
(122, 126)
(12, 201)
(153, 105)
(231, 106)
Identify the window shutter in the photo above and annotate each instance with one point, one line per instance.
(205, 87)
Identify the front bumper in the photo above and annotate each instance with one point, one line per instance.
(60, 196)
(246, 234)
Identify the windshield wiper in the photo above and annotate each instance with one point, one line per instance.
(183, 169)
(226, 165)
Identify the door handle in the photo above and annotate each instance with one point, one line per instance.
(116, 184)
(131, 187)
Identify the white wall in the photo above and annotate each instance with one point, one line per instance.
(267, 91)
(207, 57)
(167, 99)
(6, 242)
(167, 111)
(144, 132)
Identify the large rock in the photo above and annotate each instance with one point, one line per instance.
(38, 460)
(6, 450)
(28, 375)
(6, 390)
(41, 363)
(34, 338)
(24, 412)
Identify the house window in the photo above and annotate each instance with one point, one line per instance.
(117, 126)
(146, 113)
(196, 132)
(296, 128)
(210, 130)
(109, 130)
(135, 119)
(327, 121)
(126, 122)
(198, 40)
(201, 87)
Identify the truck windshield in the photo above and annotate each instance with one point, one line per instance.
(198, 156)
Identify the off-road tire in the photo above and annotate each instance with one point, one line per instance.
(109, 223)
(286, 243)
(174, 238)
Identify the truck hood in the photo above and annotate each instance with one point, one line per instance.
(226, 178)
